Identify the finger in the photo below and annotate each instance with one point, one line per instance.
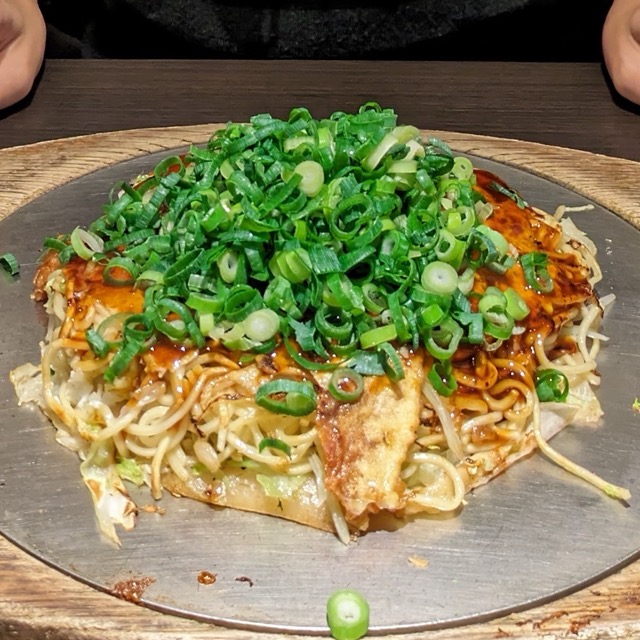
(634, 26)
(21, 60)
(621, 48)
(15, 83)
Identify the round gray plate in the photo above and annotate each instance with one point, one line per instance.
(528, 537)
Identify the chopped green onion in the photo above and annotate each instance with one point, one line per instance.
(287, 396)
(493, 300)
(333, 323)
(366, 362)
(449, 249)
(534, 265)
(466, 281)
(397, 316)
(274, 443)
(394, 244)
(305, 334)
(266, 347)
(517, 308)
(510, 193)
(462, 168)
(312, 177)
(150, 275)
(135, 327)
(324, 259)
(442, 341)
(204, 303)
(460, 220)
(305, 363)
(183, 267)
(85, 243)
(376, 154)
(171, 164)
(9, 263)
(498, 325)
(499, 241)
(113, 324)
(441, 377)
(475, 326)
(261, 325)
(373, 298)
(277, 196)
(295, 141)
(54, 243)
(483, 210)
(347, 615)
(377, 336)
(347, 295)
(97, 343)
(166, 306)
(346, 384)
(551, 385)
(344, 347)
(391, 362)
(120, 272)
(350, 234)
(228, 266)
(433, 315)
(207, 323)
(234, 338)
(439, 277)
(121, 360)
(294, 265)
(240, 302)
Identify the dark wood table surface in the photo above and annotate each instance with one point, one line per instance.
(564, 104)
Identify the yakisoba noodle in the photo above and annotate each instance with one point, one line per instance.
(184, 407)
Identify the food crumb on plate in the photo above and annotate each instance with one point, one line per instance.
(206, 577)
(245, 579)
(418, 561)
(133, 589)
(152, 508)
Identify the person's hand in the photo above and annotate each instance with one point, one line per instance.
(22, 40)
(621, 47)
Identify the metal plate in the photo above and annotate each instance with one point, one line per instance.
(528, 537)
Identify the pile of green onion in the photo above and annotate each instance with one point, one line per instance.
(342, 238)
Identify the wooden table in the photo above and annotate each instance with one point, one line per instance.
(475, 106)
(568, 105)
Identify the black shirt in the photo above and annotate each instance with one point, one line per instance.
(418, 29)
